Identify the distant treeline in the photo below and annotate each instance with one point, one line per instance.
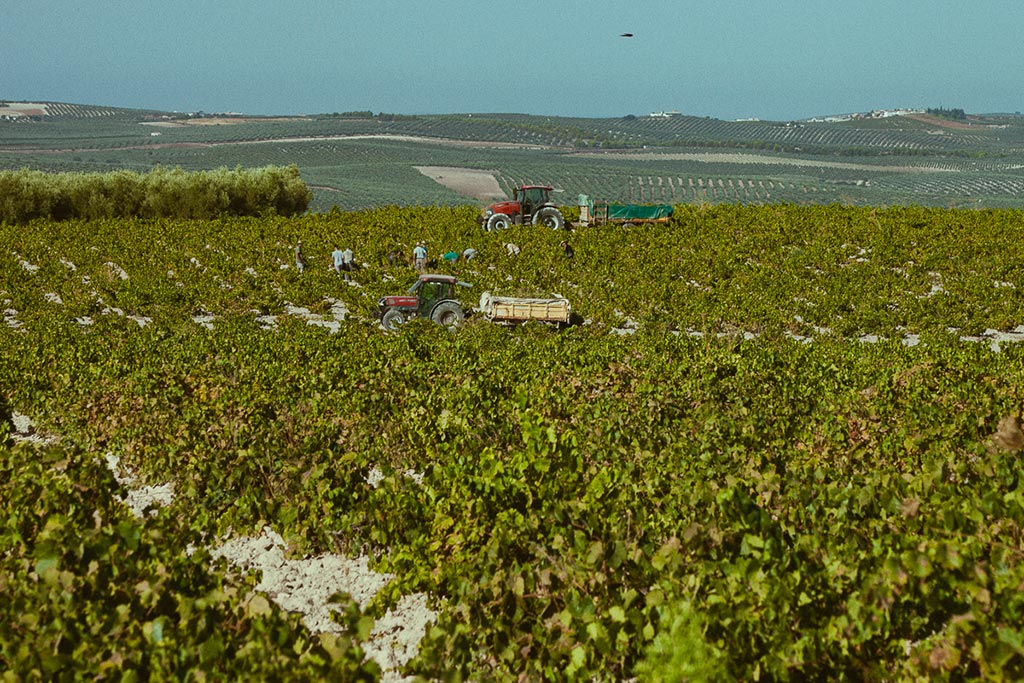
(382, 116)
(161, 193)
(351, 115)
(955, 114)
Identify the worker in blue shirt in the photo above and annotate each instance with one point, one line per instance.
(419, 256)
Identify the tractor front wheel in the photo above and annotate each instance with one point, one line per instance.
(392, 319)
(549, 217)
(497, 222)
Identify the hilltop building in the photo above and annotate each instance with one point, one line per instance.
(873, 114)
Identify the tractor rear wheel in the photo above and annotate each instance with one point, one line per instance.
(448, 314)
(550, 217)
(497, 222)
(392, 319)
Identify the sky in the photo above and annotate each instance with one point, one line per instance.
(727, 59)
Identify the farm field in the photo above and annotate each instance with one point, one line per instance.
(356, 163)
(782, 443)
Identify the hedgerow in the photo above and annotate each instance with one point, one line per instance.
(27, 195)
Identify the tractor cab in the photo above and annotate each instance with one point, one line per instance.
(429, 291)
(532, 197)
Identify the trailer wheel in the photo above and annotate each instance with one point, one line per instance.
(498, 222)
(448, 314)
(549, 217)
(392, 320)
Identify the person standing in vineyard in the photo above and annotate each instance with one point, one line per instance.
(419, 256)
(300, 258)
(347, 263)
(337, 259)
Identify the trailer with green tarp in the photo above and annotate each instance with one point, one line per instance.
(596, 213)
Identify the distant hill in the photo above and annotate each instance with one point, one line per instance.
(357, 160)
(65, 110)
(14, 111)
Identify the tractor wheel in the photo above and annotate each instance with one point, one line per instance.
(498, 222)
(392, 320)
(550, 217)
(448, 314)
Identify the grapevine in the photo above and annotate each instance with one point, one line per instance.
(781, 443)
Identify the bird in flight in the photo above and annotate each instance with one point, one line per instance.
(625, 35)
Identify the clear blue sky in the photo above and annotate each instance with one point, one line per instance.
(771, 59)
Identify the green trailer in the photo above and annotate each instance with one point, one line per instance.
(596, 213)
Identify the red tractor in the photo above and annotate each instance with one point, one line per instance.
(432, 296)
(532, 205)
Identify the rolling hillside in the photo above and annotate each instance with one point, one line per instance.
(360, 161)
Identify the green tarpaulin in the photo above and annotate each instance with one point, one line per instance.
(623, 212)
(634, 212)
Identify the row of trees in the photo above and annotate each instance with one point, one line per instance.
(955, 114)
(161, 193)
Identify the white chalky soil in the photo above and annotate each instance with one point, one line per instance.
(306, 585)
(296, 585)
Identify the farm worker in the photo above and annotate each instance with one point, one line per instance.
(451, 256)
(512, 249)
(419, 256)
(347, 262)
(337, 258)
(469, 254)
(567, 248)
(395, 257)
(300, 258)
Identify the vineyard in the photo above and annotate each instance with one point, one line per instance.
(356, 163)
(781, 443)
